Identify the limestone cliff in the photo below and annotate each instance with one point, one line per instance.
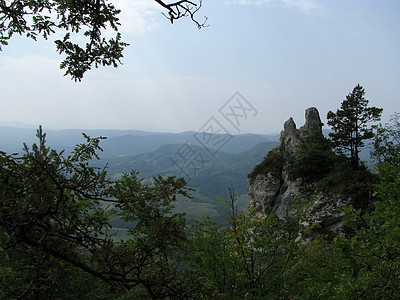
(273, 191)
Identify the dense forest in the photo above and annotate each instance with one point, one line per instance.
(57, 241)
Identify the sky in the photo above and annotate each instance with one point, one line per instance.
(258, 63)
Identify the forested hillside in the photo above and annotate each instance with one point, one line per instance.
(211, 181)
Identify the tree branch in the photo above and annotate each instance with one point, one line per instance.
(183, 8)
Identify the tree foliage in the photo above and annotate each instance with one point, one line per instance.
(56, 241)
(249, 258)
(387, 141)
(374, 252)
(350, 124)
(317, 164)
(55, 216)
(272, 163)
(314, 159)
(362, 266)
(366, 264)
(82, 25)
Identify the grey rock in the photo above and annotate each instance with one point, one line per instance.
(276, 193)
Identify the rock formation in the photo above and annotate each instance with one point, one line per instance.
(273, 191)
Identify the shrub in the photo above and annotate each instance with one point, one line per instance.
(272, 163)
(315, 159)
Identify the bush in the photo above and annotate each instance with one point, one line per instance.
(272, 163)
(355, 184)
(315, 159)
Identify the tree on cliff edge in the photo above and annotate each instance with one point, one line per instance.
(350, 124)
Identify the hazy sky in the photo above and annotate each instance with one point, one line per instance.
(282, 56)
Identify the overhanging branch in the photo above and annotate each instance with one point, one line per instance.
(183, 8)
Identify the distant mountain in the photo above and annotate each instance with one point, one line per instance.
(135, 144)
(121, 142)
(12, 138)
(17, 124)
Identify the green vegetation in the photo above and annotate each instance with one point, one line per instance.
(272, 163)
(387, 141)
(349, 124)
(342, 173)
(357, 185)
(224, 170)
(249, 258)
(55, 229)
(59, 237)
(315, 159)
(329, 173)
(364, 266)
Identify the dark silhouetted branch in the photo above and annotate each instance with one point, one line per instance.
(183, 8)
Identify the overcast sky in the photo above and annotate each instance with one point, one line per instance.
(282, 56)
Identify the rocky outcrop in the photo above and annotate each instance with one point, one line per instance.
(273, 191)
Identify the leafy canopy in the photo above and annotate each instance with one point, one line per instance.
(249, 258)
(82, 25)
(55, 214)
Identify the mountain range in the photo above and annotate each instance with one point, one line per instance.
(210, 164)
(121, 142)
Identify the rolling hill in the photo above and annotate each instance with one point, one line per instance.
(210, 171)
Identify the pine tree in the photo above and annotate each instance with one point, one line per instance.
(350, 124)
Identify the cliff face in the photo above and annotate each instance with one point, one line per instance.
(274, 192)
